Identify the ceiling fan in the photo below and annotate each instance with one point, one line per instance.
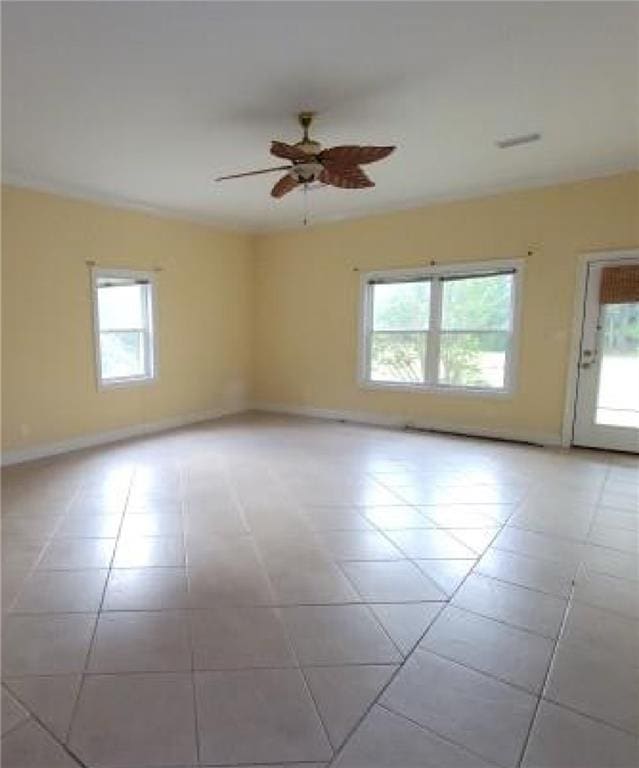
(308, 163)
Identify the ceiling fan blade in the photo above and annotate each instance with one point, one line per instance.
(285, 185)
(253, 173)
(345, 177)
(287, 151)
(352, 154)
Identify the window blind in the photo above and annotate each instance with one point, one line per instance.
(619, 285)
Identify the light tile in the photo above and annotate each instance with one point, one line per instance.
(555, 578)
(497, 649)
(611, 562)
(539, 545)
(238, 637)
(140, 589)
(358, 545)
(405, 623)
(478, 712)
(308, 580)
(476, 539)
(61, 592)
(447, 574)
(609, 593)
(514, 605)
(596, 683)
(50, 699)
(604, 631)
(626, 500)
(149, 551)
(339, 634)
(257, 716)
(564, 739)
(386, 740)
(20, 554)
(141, 642)
(343, 694)
(609, 517)
(76, 554)
(237, 583)
(464, 515)
(135, 720)
(201, 523)
(89, 527)
(557, 520)
(148, 505)
(392, 582)
(336, 519)
(30, 527)
(430, 543)
(250, 546)
(152, 525)
(397, 518)
(13, 713)
(46, 644)
(30, 746)
(616, 538)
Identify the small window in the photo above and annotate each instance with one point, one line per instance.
(440, 329)
(125, 345)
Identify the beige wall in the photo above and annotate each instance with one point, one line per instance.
(205, 305)
(274, 319)
(307, 298)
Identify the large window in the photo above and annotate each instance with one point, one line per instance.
(440, 329)
(123, 306)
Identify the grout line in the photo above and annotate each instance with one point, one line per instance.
(429, 627)
(405, 660)
(557, 641)
(441, 736)
(253, 539)
(287, 635)
(593, 718)
(43, 725)
(84, 671)
(187, 616)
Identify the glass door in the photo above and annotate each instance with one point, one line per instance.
(607, 405)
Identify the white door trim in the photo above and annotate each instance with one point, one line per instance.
(585, 260)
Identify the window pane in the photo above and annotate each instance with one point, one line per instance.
(121, 307)
(398, 357)
(473, 359)
(618, 398)
(477, 303)
(401, 306)
(122, 354)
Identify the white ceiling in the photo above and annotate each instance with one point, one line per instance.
(144, 103)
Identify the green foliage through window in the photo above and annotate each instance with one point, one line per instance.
(470, 324)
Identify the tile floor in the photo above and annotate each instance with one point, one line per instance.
(272, 591)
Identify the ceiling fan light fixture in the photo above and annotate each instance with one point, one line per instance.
(305, 173)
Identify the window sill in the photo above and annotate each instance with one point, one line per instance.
(126, 383)
(438, 389)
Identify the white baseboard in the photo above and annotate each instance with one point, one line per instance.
(358, 417)
(384, 420)
(114, 436)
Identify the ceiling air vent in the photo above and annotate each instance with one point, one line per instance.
(516, 141)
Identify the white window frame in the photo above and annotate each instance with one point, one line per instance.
(473, 269)
(101, 273)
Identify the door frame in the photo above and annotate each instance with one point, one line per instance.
(572, 378)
